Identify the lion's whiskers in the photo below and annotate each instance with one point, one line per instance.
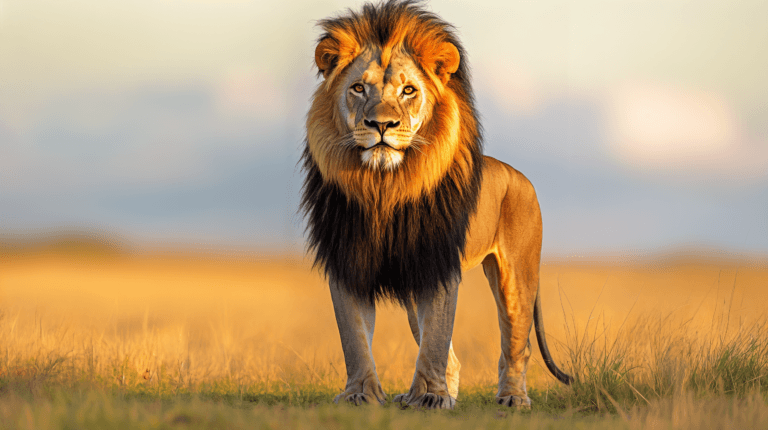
(416, 147)
(348, 140)
(418, 141)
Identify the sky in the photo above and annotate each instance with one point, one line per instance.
(643, 125)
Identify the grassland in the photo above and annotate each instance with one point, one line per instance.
(96, 339)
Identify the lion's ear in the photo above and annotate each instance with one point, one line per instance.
(326, 55)
(445, 61)
(335, 52)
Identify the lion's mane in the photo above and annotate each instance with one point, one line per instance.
(396, 234)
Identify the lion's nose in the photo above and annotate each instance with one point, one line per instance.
(381, 126)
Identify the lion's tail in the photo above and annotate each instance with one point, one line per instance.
(538, 322)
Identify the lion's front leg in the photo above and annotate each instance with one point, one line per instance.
(356, 321)
(454, 366)
(435, 315)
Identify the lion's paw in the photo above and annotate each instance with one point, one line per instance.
(514, 402)
(427, 401)
(357, 399)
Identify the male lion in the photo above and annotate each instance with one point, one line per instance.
(399, 200)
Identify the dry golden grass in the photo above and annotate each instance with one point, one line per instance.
(185, 321)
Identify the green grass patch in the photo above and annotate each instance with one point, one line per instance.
(80, 407)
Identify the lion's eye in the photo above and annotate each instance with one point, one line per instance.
(358, 88)
(410, 89)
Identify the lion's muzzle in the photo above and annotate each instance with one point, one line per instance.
(381, 127)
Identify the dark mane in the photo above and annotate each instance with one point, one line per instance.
(418, 248)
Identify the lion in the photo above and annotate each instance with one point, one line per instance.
(399, 200)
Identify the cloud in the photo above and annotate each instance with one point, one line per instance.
(144, 136)
(684, 133)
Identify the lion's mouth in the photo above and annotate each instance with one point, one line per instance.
(381, 144)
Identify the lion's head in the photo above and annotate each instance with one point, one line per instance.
(393, 155)
(394, 113)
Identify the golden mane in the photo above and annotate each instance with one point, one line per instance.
(452, 133)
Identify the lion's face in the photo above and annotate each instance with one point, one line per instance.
(384, 107)
(392, 118)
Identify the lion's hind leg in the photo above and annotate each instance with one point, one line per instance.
(514, 301)
(356, 321)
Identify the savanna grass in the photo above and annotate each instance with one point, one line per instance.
(642, 367)
(659, 357)
(170, 356)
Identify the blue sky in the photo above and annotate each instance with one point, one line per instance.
(643, 125)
